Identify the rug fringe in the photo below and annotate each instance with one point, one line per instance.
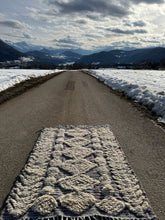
(94, 217)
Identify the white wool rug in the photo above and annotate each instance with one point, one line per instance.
(77, 173)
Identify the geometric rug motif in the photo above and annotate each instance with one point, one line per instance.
(77, 183)
(77, 166)
(79, 152)
(77, 173)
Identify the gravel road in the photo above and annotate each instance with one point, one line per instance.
(78, 99)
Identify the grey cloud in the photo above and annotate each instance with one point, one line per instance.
(18, 37)
(66, 46)
(131, 32)
(27, 36)
(148, 1)
(118, 8)
(44, 15)
(151, 41)
(126, 45)
(139, 23)
(140, 31)
(120, 31)
(104, 7)
(128, 24)
(93, 17)
(91, 9)
(12, 35)
(81, 21)
(91, 36)
(2, 15)
(102, 28)
(11, 24)
(67, 40)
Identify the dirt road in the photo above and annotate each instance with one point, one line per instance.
(76, 98)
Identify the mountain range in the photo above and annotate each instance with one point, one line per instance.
(60, 56)
(53, 57)
(25, 47)
(114, 57)
(41, 55)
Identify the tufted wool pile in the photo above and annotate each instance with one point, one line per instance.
(77, 173)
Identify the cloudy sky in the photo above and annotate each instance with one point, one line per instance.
(87, 24)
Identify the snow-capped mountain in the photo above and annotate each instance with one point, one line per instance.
(24, 47)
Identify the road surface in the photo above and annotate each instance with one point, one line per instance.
(75, 98)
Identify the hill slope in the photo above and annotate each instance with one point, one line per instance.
(125, 57)
(8, 53)
(52, 57)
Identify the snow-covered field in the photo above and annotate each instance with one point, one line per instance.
(9, 77)
(144, 86)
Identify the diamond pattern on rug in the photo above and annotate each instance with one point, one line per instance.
(78, 182)
(111, 205)
(78, 153)
(77, 166)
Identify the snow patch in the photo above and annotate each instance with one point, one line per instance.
(10, 77)
(143, 86)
